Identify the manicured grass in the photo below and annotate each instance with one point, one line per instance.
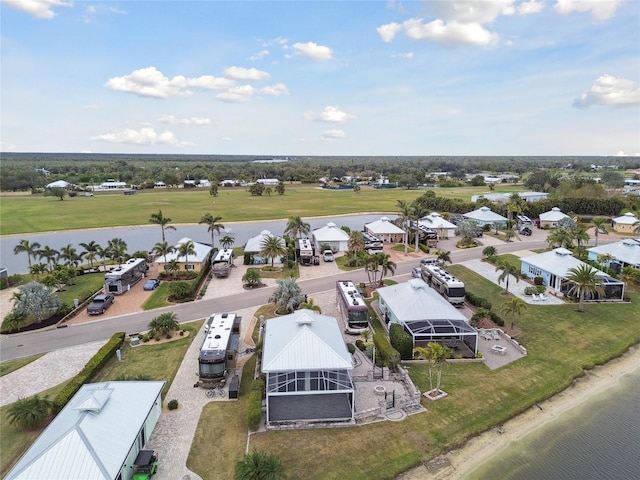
(158, 298)
(34, 213)
(83, 285)
(12, 365)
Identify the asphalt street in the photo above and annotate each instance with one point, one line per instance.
(30, 343)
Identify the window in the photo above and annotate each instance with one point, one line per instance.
(189, 266)
(535, 271)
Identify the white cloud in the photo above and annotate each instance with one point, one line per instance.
(610, 91)
(237, 94)
(452, 33)
(334, 115)
(333, 134)
(471, 11)
(184, 121)
(532, 6)
(150, 82)
(38, 8)
(245, 74)
(388, 32)
(144, 136)
(274, 90)
(259, 55)
(407, 55)
(313, 51)
(600, 9)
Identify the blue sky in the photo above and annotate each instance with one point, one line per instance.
(493, 77)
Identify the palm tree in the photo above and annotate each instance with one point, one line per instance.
(356, 241)
(213, 224)
(271, 247)
(310, 305)
(70, 254)
(417, 212)
(489, 252)
(50, 255)
(185, 249)
(159, 219)
(605, 258)
(437, 356)
(163, 249)
(259, 465)
(386, 265)
(287, 295)
(103, 254)
(164, 324)
(560, 237)
(31, 249)
(404, 217)
(227, 241)
(513, 307)
(583, 281)
(172, 267)
(91, 251)
(296, 227)
(599, 223)
(581, 236)
(36, 299)
(444, 257)
(507, 270)
(117, 249)
(30, 413)
(37, 269)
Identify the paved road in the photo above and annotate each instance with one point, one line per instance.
(30, 343)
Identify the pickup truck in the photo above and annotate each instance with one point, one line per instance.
(100, 303)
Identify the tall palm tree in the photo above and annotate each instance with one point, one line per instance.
(50, 255)
(31, 249)
(91, 251)
(271, 247)
(70, 254)
(581, 236)
(259, 465)
(417, 212)
(296, 227)
(561, 237)
(404, 217)
(507, 269)
(444, 257)
(102, 254)
(185, 249)
(117, 249)
(214, 225)
(386, 265)
(583, 281)
(436, 355)
(513, 307)
(163, 249)
(356, 241)
(227, 241)
(599, 223)
(160, 219)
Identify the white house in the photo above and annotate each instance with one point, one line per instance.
(268, 181)
(625, 253)
(189, 262)
(332, 235)
(254, 245)
(552, 217)
(308, 370)
(96, 436)
(110, 185)
(437, 222)
(426, 315)
(385, 230)
(59, 184)
(485, 216)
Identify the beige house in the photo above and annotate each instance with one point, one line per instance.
(627, 223)
(193, 262)
(385, 230)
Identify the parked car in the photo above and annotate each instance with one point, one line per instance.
(100, 303)
(526, 231)
(151, 284)
(327, 255)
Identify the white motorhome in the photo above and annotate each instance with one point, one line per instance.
(222, 263)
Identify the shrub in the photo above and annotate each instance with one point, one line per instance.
(254, 405)
(477, 301)
(351, 347)
(173, 404)
(495, 318)
(538, 280)
(401, 341)
(361, 345)
(386, 354)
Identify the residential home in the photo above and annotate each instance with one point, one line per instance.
(485, 216)
(627, 223)
(96, 436)
(192, 263)
(308, 370)
(333, 236)
(551, 218)
(437, 222)
(60, 184)
(385, 230)
(625, 253)
(254, 246)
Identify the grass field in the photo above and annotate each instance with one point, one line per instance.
(35, 213)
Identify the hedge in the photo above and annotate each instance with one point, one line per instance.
(386, 355)
(92, 367)
(477, 301)
(254, 404)
(401, 341)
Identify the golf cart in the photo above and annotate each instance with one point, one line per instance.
(145, 465)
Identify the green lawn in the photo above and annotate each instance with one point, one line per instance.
(13, 365)
(34, 213)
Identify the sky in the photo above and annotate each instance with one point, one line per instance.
(320, 78)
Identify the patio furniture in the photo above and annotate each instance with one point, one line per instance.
(500, 349)
(542, 297)
(495, 334)
(535, 297)
(484, 334)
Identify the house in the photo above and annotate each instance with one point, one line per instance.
(60, 184)
(484, 216)
(437, 222)
(192, 263)
(426, 315)
(625, 253)
(159, 185)
(268, 181)
(110, 185)
(627, 223)
(331, 235)
(254, 246)
(554, 266)
(385, 230)
(551, 218)
(308, 370)
(97, 435)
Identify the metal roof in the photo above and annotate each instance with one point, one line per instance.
(416, 301)
(92, 435)
(384, 225)
(627, 219)
(485, 214)
(304, 340)
(330, 233)
(435, 220)
(553, 215)
(557, 262)
(201, 249)
(627, 251)
(254, 244)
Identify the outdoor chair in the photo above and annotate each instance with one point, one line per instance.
(484, 334)
(535, 297)
(495, 334)
(542, 297)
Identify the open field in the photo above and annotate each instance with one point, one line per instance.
(35, 213)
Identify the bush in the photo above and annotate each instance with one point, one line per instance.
(254, 405)
(495, 318)
(538, 280)
(173, 404)
(386, 354)
(477, 301)
(361, 346)
(351, 347)
(401, 341)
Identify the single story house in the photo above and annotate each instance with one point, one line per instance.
(554, 266)
(426, 315)
(60, 184)
(625, 253)
(437, 222)
(190, 262)
(552, 217)
(110, 185)
(385, 230)
(254, 246)
(332, 235)
(96, 436)
(485, 216)
(627, 223)
(506, 197)
(268, 181)
(308, 370)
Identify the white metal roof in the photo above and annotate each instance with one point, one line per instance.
(485, 214)
(435, 220)
(627, 251)
(415, 300)
(553, 215)
(201, 249)
(557, 262)
(382, 226)
(330, 233)
(254, 244)
(304, 340)
(58, 184)
(626, 219)
(92, 435)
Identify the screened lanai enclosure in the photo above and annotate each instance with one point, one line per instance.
(455, 334)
